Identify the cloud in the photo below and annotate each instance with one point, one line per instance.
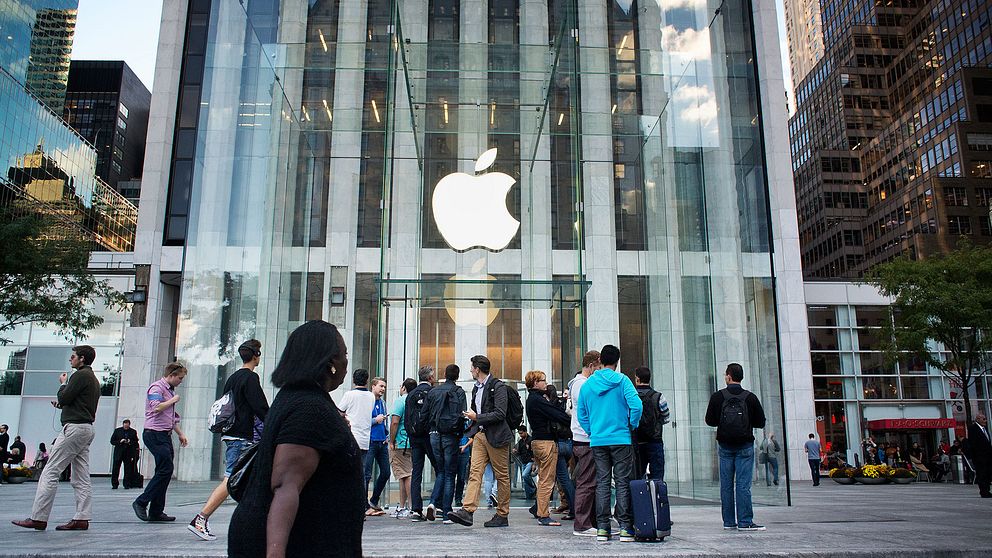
(704, 112)
(692, 92)
(691, 43)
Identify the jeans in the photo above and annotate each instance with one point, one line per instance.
(736, 470)
(771, 470)
(160, 444)
(616, 464)
(233, 449)
(585, 488)
(651, 456)
(489, 487)
(814, 468)
(445, 448)
(379, 453)
(464, 459)
(530, 489)
(561, 471)
(420, 447)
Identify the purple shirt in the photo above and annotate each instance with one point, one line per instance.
(162, 421)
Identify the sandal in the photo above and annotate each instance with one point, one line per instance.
(548, 522)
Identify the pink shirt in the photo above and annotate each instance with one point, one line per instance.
(158, 393)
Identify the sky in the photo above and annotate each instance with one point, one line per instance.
(119, 30)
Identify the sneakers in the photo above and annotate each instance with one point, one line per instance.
(497, 521)
(200, 528)
(533, 511)
(729, 527)
(403, 513)
(431, 516)
(590, 532)
(626, 536)
(602, 535)
(140, 511)
(751, 527)
(548, 522)
(461, 517)
(447, 522)
(417, 516)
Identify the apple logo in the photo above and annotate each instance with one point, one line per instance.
(470, 211)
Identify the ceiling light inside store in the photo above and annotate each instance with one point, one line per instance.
(306, 115)
(375, 112)
(323, 43)
(561, 117)
(446, 112)
(623, 43)
(614, 111)
(492, 114)
(327, 109)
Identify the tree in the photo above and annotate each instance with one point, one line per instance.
(947, 299)
(46, 280)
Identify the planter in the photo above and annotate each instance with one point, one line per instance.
(866, 480)
(843, 480)
(902, 480)
(17, 480)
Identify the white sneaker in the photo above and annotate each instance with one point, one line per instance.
(403, 514)
(200, 528)
(590, 532)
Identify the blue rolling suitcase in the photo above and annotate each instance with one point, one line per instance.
(652, 514)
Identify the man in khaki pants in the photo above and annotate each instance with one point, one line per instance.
(491, 445)
(78, 397)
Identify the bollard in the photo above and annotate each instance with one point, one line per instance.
(957, 469)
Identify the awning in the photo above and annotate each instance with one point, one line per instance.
(911, 424)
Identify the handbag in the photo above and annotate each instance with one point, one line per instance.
(237, 483)
(762, 458)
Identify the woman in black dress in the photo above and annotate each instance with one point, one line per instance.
(305, 495)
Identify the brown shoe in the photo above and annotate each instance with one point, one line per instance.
(75, 525)
(31, 524)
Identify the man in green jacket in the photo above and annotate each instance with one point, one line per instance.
(78, 397)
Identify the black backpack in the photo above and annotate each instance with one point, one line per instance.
(416, 418)
(450, 419)
(735, 421)
(649, 428)
(514, 408)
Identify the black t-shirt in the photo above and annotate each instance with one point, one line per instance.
(755, 413)
(249, 402)
(332, 504)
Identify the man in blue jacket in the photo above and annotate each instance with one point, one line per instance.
(609, 409)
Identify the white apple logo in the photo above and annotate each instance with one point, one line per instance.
(470, 211)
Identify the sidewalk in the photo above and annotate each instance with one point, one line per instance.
(917, 520)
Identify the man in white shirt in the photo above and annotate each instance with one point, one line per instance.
(357, 405)
(584, 506)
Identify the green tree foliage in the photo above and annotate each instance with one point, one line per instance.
(947, 299)
(46, 281)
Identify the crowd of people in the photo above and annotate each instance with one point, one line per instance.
(309, 455)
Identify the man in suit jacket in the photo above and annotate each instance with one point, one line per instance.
(980, 453)
(491, 437)
(125, 442)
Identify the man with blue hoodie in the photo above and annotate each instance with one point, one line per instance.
(609, 409)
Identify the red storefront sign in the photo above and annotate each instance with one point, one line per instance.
(911, 424)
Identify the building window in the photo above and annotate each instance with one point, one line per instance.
(955, 196)
(123, 110)
(958, 224)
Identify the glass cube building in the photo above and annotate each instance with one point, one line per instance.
(440, 178)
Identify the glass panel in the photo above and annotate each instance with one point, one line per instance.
(880, 388)
(869, 339)
(823, 339)
(874, 363)
(831, 426)
(915, 387)
(821, 316)
(872, 316)
(826, 363)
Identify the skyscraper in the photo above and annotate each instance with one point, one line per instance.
(805, 36)
(891, 137)
(108, 105)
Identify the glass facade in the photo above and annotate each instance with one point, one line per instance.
(632, 137)
(36, 45)
(859, 394)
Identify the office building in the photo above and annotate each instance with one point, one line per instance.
(38, 45)
(891, 138)
(444, 178)
(108, 105)
(804, 33)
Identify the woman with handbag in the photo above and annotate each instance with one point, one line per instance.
(306, 468)
(545, 419)
(768, 456)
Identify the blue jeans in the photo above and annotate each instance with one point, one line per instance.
(420, 447)
(445, 448)
(234, 448)
(561, 471)
(530, 489)
(736, 470)
(379, 453)
(488, 485)
(651, 456)
(464, 460)
(771, 470)
(160, 444)
(613, 464)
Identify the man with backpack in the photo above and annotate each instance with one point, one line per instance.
(417, 423)
(446, 408)
(735, 412)
(650, 448)
(496, 412)
(250, 406)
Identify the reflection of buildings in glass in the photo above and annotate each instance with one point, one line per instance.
(51, 49)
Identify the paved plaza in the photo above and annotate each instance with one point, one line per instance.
(918, 520)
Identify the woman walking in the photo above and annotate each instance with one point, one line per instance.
(546, 419)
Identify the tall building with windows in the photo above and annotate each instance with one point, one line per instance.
(38, 44)
(804, 33)
(889, 139)
(445, 178)
(108, 105)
